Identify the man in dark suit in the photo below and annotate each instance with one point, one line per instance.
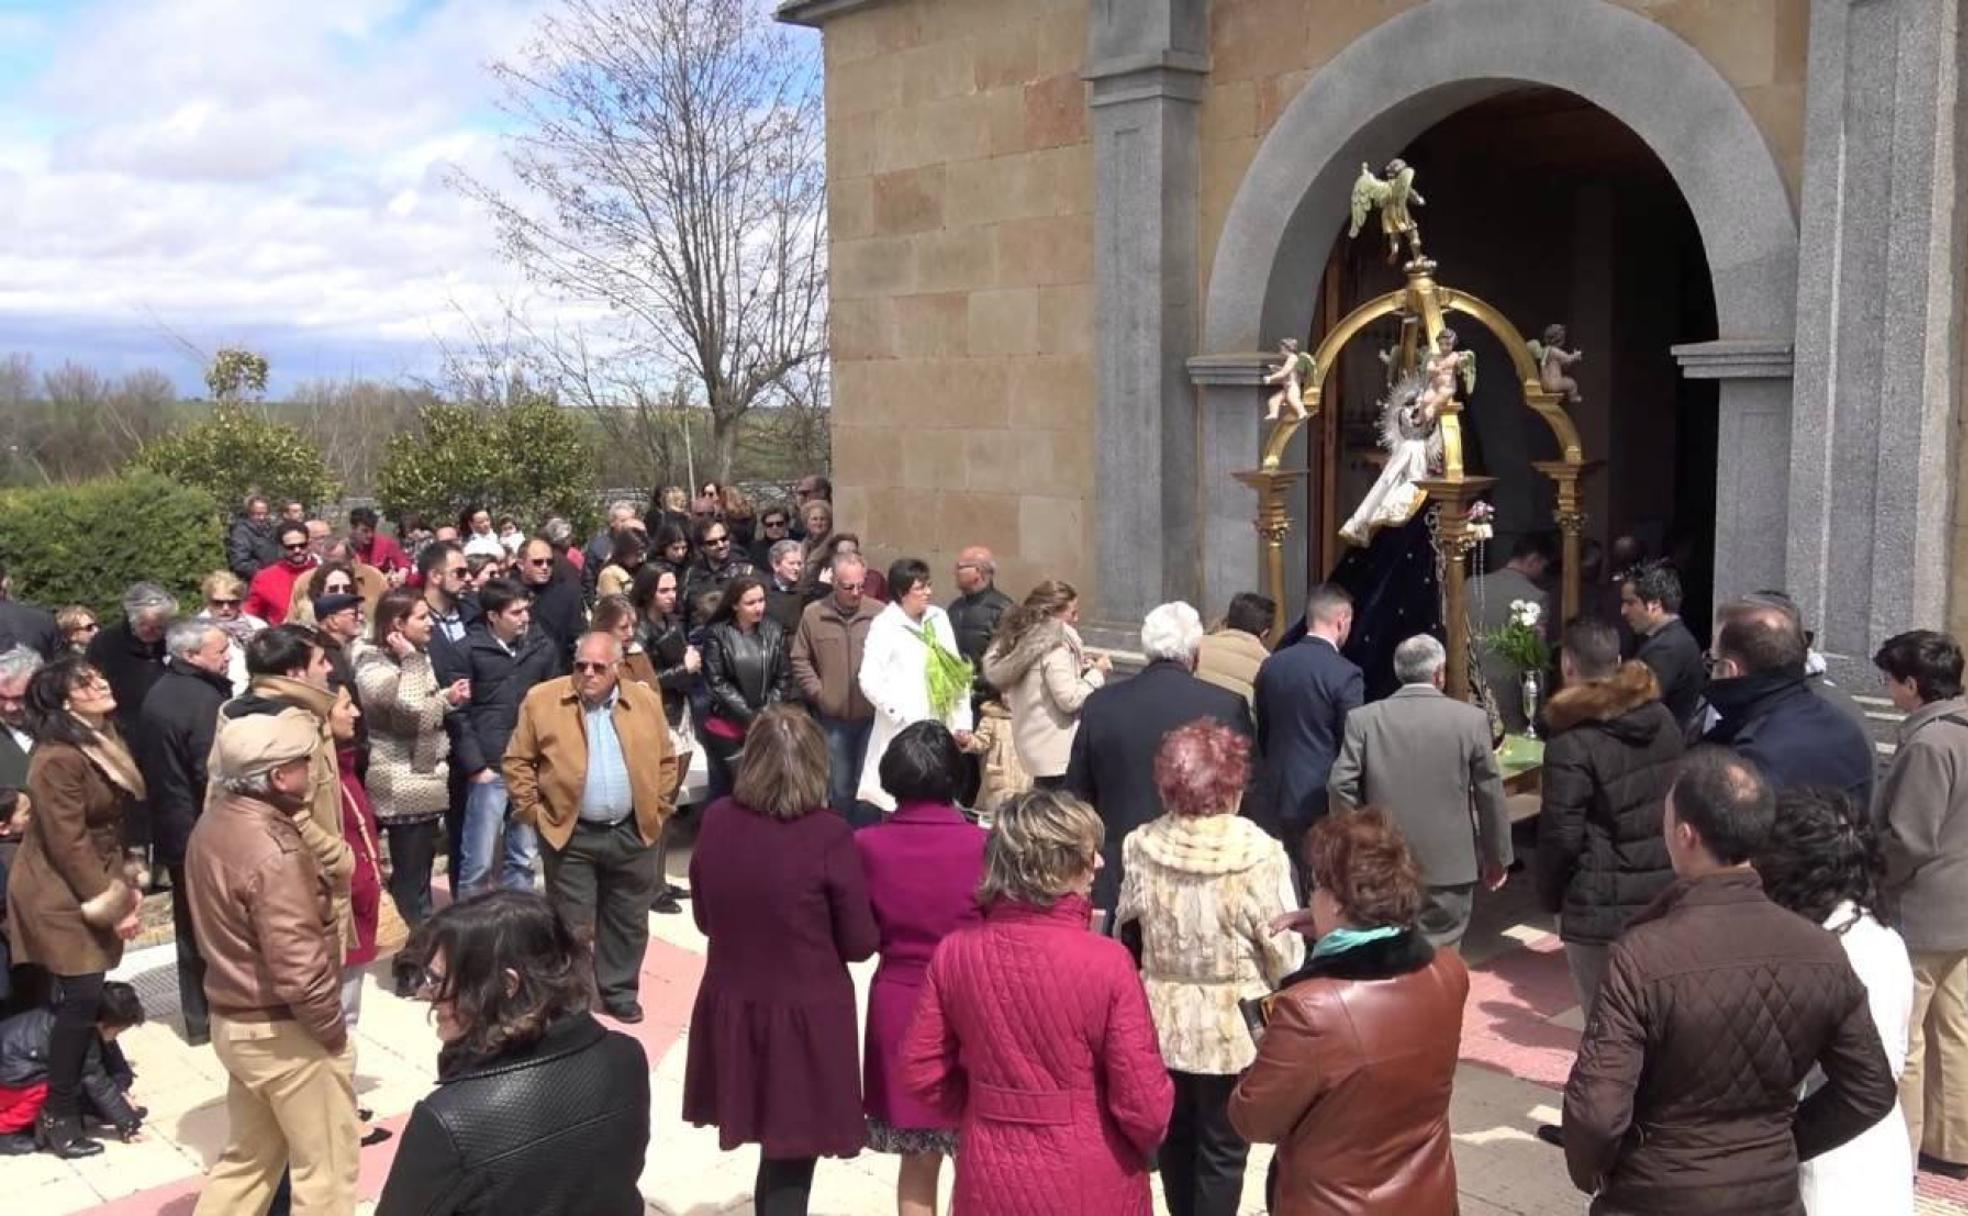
(1121, 727)
(1650, 604)
(1426, 759)
(1303, 694)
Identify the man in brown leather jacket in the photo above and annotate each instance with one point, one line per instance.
(264, 917)
(1715, 1005)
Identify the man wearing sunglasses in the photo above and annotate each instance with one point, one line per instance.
(718, 561)
(272, 591)
(590, 768)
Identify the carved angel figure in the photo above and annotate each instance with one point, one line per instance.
(1291, 376)
(1392, 193)
(1442, 369)
(1413, 440)
(1553, 360)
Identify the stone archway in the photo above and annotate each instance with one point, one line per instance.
(1416, 69)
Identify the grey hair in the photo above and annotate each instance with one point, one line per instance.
(186, 635)
(146, 599)
(557, 530)
(1418, 659)
(19, 662)
(1172, 632)
(781, 549)
(257, 785)
(621, 505)
(614, 642)
(843, 560)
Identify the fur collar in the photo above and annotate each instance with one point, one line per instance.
(1376, 960)
(1615, 696)
(1205, 844)
(1005, 668)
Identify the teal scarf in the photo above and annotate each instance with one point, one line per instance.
(1343, 939)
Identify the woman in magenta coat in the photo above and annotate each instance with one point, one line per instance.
(923, 866)
(777, 889)
(1034, 1034)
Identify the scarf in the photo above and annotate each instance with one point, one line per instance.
(948, 675)
(1346, 938)
(107, 751)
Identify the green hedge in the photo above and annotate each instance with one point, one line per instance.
(85, 543)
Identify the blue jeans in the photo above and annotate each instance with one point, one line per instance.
(847, 750)
(485, 816)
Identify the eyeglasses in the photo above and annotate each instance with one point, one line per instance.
(336, 589)
(773, 523)
(717, 542)
(588, 667)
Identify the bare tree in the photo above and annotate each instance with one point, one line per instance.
(671, 157)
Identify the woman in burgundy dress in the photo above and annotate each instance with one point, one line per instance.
(923, 865)
(777, 889)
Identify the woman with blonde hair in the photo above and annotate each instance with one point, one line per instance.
(776, 888)
(1033, 1036)
(1037, 662)
(1205, 885)
(225, 598)
(78, 626)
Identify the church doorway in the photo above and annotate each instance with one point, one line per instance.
(1554, 211)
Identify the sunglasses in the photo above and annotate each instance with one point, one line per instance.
(220, 604)
(717, 542)
(295, 548)
(539, 561)
(774, 523)
(588, 667)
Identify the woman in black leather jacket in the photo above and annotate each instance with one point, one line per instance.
(747, 668)
(539, 1110)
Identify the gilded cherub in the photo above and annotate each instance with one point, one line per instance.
(1393, 194)
(1553, 360)
(1292, 375)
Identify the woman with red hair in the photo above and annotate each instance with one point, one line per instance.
(1205, 885)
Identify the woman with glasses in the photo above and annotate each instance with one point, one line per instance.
(225, 597)
(331, 578)
(539, 1110)
(747, 670)
(78, 626)
(72, 900)
(910, 672)
(409, 750)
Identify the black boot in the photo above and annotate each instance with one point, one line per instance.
(63, 1137)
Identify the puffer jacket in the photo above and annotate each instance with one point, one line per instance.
(1033, 1037)
(1044, 681)
(24, 1063)
(409, 773)
(1715, 1005)
(1352, 1082)
(1611, 753)
(746, 672)
(1794, 735)
(556, 1128)
(1205, 889)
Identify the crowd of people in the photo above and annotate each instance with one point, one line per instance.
(1124, 925)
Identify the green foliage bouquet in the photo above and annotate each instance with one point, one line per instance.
(1521, 640)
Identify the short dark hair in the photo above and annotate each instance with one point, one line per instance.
(287, 528)
(1534, 544)
(486, 941)
(1726, 800)
(1821, 851)
(1594, 646)
(1324, 601)
(499, 594)
(1251, 612)
(922, 764)
(1760, 637)
(281, 650)
(1932, 660)
(433, 555)
(1655, 583)
(362, 517)
(905, 574)
(775, 507)
(120, 1007)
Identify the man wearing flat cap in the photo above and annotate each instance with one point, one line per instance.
(263, 912)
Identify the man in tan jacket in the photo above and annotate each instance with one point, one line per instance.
(826, 659)
(589, 767)
(265, 923)
(1230, 656)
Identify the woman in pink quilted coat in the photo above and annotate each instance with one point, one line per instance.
(1033, 1033)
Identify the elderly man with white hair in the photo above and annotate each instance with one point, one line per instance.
(130, 655)
(1121, 727)
(1426, 760)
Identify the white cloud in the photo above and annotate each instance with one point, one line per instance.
(226, 165)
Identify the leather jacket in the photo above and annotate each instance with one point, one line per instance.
(665, 647)
(746, 671)
(264, 916)
(556, 1128)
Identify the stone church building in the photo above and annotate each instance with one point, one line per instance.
(1066, 234)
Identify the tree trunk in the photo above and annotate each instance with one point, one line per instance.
(724, 442)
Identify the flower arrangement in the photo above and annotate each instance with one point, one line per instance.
(1482, 520)
(1521, 640)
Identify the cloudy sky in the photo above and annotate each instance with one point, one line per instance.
(260, 171)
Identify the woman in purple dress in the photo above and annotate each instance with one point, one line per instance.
(923, 866)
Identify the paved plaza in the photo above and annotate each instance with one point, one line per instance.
(1519, 1033)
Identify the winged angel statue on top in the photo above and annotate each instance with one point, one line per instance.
(1392, 193)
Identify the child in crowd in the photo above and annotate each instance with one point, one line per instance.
(106, 1074)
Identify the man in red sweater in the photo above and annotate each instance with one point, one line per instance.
(374, 549)
(273, 587)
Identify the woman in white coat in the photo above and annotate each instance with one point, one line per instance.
(1819, 863)
(910, 671)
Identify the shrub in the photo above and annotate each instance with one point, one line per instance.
(530, 458)
(85, 543)
(238, 449)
